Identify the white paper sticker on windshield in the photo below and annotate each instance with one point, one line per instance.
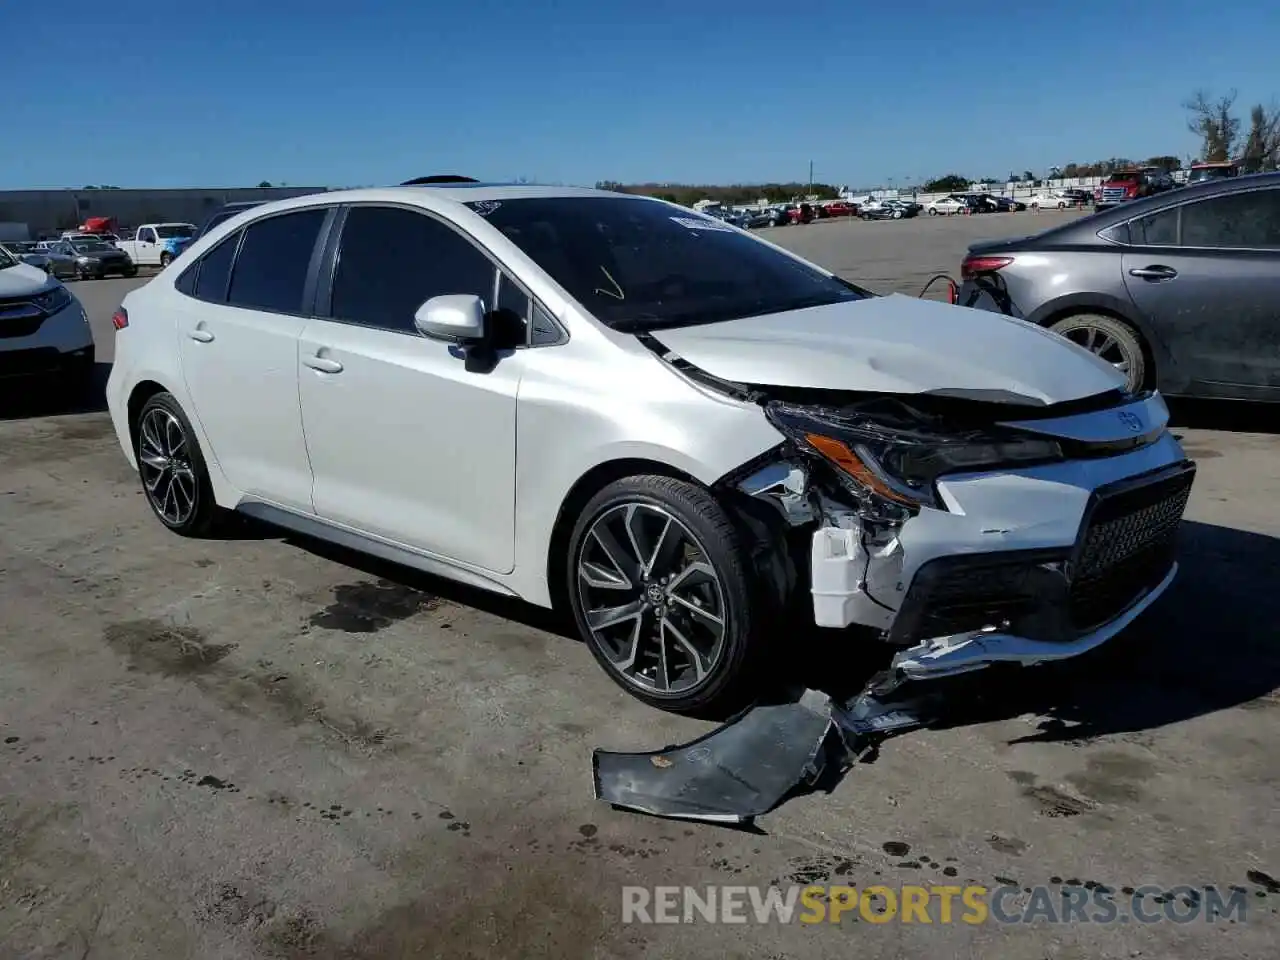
(699, 223)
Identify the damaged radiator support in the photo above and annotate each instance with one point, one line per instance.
(750, 764)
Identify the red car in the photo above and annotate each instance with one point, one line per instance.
(839, 208)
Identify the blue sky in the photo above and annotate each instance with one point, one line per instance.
(232, 92)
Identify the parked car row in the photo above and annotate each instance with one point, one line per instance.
(1176, 290)
(79, 257)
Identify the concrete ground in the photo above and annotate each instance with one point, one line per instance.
(259, 747)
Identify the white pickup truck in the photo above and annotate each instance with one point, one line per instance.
(156, 244)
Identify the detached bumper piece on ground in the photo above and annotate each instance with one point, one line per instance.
(748, 766)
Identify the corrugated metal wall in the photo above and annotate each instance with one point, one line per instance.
(49, 211)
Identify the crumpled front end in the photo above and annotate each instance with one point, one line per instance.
(970, 532)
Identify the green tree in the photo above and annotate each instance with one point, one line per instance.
(264, 184)
(1262, 143)
(1212, 120)
(948, 184)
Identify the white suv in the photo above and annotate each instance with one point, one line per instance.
(43, 328)
(679, 432)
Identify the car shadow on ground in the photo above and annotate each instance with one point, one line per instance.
(1232, 416)
(1208, 645)
(33, 398)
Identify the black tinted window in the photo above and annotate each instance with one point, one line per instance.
(271, 270)
(215, 270)
(392, 260)
(1156, 229)
(1249, 219)
(640, 264)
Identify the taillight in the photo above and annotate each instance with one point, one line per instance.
(120, 319)
(973, 266)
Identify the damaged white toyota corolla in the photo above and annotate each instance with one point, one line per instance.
(682, 433)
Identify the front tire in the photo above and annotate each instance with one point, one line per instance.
(658, 582)
(933, 212)
(166, 258)
(1110, 339)
(175, 479)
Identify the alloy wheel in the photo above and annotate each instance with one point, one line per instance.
(651, 598)
(164, 460)
(1103, 345)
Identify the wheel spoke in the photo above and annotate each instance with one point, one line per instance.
(604, 617)
(700, 666)
(153, 460)
(685, 576)
(615, 554)
(697, 610)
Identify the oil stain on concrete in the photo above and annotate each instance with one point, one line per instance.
(153, 646)
(166, 649)
(370, 607)
(1113, 777)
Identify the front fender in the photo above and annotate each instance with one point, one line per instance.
(579, 410)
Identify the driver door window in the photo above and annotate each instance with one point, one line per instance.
(392, 260)
(148, 236)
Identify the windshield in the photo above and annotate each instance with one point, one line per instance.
(640, 265)
(91, 246)
(170, 230)
(1209, 173)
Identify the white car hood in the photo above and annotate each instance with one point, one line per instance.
(897, 344)
(23, 279)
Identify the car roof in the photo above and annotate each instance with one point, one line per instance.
(1087, 227)
(450, 193)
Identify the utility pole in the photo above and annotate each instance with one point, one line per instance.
(811, 178)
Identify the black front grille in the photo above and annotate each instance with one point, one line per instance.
(1127, 547)
(957, 594)
(23, 327)
(19, 363)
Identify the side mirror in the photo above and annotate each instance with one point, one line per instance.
(455, 317)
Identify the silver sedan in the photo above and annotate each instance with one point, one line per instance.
(47, 259)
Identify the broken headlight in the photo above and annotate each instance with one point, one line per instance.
(900, 462)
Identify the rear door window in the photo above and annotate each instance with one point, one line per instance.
(1249, 219)
(271, 270)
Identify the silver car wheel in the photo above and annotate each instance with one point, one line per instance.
(165, 464)
(651, 598)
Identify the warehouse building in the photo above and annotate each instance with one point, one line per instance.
(47, 212)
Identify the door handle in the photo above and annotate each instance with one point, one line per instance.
(201, 334)
(1156, 272)
(323, 364)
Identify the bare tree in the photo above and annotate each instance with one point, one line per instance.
(1262, 144)
(1212, 121)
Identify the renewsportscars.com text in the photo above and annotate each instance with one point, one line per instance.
(939, 904)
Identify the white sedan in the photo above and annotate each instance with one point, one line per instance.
(947, 205)
(1048, 201)
(676, 432)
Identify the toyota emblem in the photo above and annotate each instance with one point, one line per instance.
(1131, 421)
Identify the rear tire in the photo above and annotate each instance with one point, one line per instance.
(166, 258)
(659, 585)
(1111, 339)
(175, 479)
